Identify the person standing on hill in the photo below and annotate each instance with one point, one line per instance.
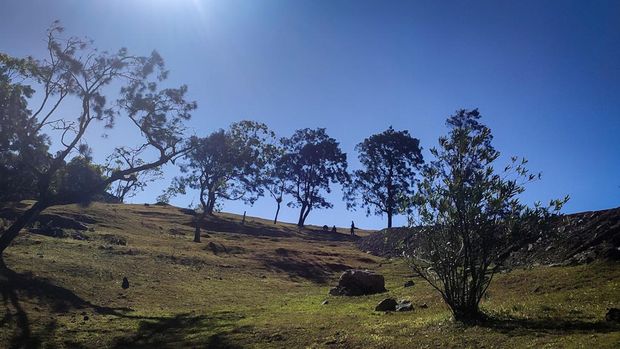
(352, 228)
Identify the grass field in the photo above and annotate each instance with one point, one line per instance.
(261, 285)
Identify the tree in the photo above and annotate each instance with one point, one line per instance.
(226, 165)
(22, 150)
(130, 185)
(312, 160)
(274, 177)
(76, 72)
(390, 160)
(471, 216)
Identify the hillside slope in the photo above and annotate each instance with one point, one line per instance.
(574, 239)
(260, 285)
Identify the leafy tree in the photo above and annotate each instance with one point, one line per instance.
(226, 165)
(23, 151)
(130, 185)
(75, 72)
(274, 175)
(390, 160)
(312, 160)
(472, 215)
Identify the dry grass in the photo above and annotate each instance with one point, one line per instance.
(260, 285)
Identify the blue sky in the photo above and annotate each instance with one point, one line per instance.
(545, 75)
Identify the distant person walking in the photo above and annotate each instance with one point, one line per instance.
(353, 228)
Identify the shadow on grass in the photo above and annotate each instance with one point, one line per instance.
(300, 268)
(181, 331)
(17, 286)
(514, 325)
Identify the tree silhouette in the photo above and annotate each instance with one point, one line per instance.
(74, 71)
(226, 165)
(312, 160)
(390, 160)
(130, 185)
(275, 175)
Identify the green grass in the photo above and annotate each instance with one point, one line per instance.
(267, 292)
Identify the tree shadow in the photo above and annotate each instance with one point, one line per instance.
(300, 268)
(515, 325)
(15, 286)
(180, 331)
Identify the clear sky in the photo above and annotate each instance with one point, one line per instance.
(545, 75)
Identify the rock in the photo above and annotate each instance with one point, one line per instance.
(114, 239)
(357, 282)
(388, 304)
(335, 291)
(325, 302)
(409, 283)
(423, 306)
(613, 315)
(62, 222)
(48, 231)
(125, 284)
(85, 317)
(404, 306)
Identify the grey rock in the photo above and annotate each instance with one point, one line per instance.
(404, 306)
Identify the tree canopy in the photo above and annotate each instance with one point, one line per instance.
(389, 162)
(312, 161)
(74, 72)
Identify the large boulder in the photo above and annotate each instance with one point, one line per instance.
(356, 282)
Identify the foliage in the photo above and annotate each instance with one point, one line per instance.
(226, 164)
(312, 160)
(274, 174)
(390, 160)
(472, 215)
(23, 151)
(76, 73)
(129, 185)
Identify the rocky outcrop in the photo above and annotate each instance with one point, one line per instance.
(573, 239)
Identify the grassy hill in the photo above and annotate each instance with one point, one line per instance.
(260, 285)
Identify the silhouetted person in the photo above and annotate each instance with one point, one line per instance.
(353, 228)
(125, 284)
(334, 230)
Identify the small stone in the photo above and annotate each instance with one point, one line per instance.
(409, 283)
(85, 317)
(404, 306)
(125, 284)
(388, 304)
(325, 302)
(613, 315)
(423, 306)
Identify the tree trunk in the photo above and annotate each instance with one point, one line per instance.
(302, 216)
(467, 314)
(306, 214)
(197, 221)
(275, 220)
(23, 220)
(389, 215)
(210, 204)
